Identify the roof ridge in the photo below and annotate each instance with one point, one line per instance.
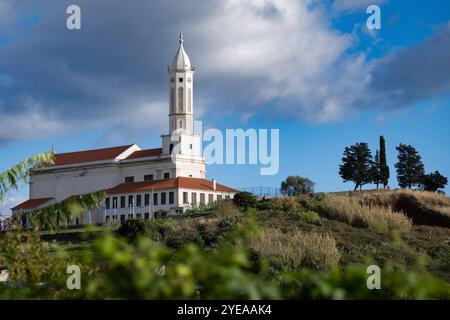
(98, 149)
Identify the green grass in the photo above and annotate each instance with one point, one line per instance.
(422, 249)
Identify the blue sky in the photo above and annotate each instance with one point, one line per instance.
(307, 68)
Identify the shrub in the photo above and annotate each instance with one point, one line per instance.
(309, 216)
(286, 204)
(244, 200)
(225, 208)
(352, 211)
(131, 229)
(297, 249)
(161, 214)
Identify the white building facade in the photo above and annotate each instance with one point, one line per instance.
(138, 182)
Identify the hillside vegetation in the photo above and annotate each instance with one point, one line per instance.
(316, 246)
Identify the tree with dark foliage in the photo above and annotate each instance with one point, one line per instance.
(245, 200)
(384, 168)
(433, 181)
(356, 165)
(375, 170)
(410, 168)
(296, 185)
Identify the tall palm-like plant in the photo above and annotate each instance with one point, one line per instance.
(18, 174)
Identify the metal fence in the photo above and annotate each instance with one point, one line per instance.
(262, 191)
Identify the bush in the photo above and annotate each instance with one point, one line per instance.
(225, 208)
(309, 216)
(297, 250)
(161, 214)
(131, 229)
(245, 200)
(286, 204)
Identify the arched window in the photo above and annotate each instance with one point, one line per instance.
(181, 124)
(180, 100)
(170, 148)
(189, 100)
(172, 100)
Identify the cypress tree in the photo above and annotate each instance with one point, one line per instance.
(384, 168)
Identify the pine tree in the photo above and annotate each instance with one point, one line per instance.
(433, 181)
(375, 169)
(356, 165)
(410, 169)
(384, 168)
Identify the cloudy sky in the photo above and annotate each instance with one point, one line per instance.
(309, 68)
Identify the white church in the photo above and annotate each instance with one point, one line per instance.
(138, 182)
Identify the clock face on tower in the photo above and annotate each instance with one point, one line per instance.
(189, 80)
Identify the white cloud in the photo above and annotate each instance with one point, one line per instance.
(280, 49)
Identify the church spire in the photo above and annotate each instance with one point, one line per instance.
(181, 101)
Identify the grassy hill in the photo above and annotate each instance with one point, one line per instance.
(325, 235)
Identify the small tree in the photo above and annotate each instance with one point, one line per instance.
(375, 170)
(410, 168)
(384, 168)
(296, 185)
(433, 181)
(244, 200)
(131, 229)
(356, 165)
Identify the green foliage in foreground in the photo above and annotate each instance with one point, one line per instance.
(116, 269)
(61, 213)
(14, 176)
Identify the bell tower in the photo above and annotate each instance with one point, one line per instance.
(181, 90)
(181, 143)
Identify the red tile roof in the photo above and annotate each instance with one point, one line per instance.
(145, 153)
(180, 182)
(31, 204)
(89, 155)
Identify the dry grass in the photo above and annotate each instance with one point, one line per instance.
(297, 249)
(428, 199)
(352, 210)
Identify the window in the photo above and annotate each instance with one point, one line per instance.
(107, 204)
(114, 202)
(130, 216)
(148, 177)
(189, 100)
(210, 198)
(219, 197)
(163, 198)
(146, 216)
(227, 197)
(107, 219)
(139, 200)
(166, 175)
(171, 197)
(122, 218)
(171, 148)
(131, 201)
(202, 198)
(181, 124)
(172, 100)
(129, 179)
(138, 216)
(114, 218)
(146, 199)
(194, 198)
(122, 202)
(180, 100)
(180, 79)
(190, 146)
(155, 199)
(185, 197)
